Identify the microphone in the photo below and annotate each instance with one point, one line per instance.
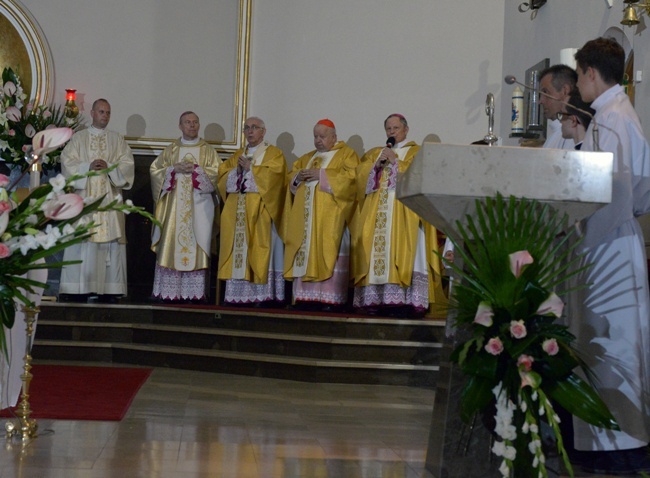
(511, 79)
(390, 142)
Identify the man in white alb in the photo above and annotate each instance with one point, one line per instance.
(102, 269)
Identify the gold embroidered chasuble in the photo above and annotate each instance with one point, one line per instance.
(386, 235)
(185, 212)
(86, 146)
(247, 218)
(317, 215)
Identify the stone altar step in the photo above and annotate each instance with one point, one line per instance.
(263, 342)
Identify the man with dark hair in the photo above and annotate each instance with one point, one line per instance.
(575, 121)
(556, 83)
(184, 183)
(612, 316)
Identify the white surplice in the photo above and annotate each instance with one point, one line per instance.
(611, 317)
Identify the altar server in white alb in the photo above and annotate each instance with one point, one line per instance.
(184, 184)
(612, 322)
(103, 267)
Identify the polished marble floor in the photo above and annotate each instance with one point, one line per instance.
(197, 424)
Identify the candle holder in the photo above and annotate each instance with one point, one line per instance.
(28, 426)
(71, 110)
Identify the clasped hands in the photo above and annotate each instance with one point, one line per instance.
(183, 167)
(312, 174)
(244, 163)
(98, 165)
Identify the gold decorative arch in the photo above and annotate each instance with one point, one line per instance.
(23, 47)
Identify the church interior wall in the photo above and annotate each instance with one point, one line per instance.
(354, 62)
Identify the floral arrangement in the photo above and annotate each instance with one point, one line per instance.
(518, 360)
(20, 120)
(50, 219)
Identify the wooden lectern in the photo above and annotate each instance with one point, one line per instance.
(441, 186)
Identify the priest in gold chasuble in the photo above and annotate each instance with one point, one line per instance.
(319, 203)
(252, 183)
(103, 267)
(183, 183)
(395, 264)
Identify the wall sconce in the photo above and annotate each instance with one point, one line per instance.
(71, 110)
(632, 12)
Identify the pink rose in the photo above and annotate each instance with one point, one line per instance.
(13, 114)
(4, 181)
(11, 132)
(525, 362)
(553, 305)
(484, 314)
(4, 251)
(5, 205)
(518, 329)
(65, 206)
(550, 346)
(518, 262)
(494, 346)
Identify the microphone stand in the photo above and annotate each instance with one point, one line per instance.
(594, 131)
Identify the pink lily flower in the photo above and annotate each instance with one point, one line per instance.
(64, 206)
(13, 114)
(484, 314)
(553, 305)
(30, 131)
(10, 88)
(50, 139)
(518, 262)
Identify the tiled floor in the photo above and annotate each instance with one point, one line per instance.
(199, 425)
(195, 424)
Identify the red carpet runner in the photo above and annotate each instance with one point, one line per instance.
(66, 392)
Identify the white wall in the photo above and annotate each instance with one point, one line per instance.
(358, 61)
(354, 61)
(566, 24)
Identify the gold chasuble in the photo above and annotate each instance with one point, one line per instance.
(386, 232)
(316, 215)
(184, 205)
(248, 213)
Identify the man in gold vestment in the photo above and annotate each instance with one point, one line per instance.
(183, 183)
(395, 265)
(252, 183)
(319, 203)
(103, 255)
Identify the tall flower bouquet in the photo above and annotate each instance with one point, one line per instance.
(518, 360)
(50, 219)
(21, 119)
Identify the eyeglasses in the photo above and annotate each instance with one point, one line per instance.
(252, 127)
(563, 116)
